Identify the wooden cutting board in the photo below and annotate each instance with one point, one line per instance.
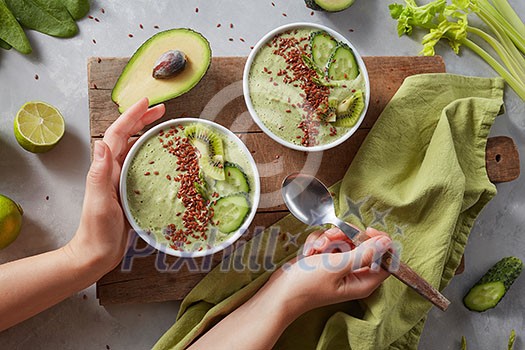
(219, 96)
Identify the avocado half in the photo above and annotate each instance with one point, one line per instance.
(136, 80)
(329, 5)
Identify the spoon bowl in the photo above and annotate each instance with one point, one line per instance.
(308, 199)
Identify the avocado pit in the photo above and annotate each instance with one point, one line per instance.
(169, 64)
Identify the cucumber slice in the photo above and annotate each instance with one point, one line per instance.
(230, 212)
(484, 296)
(342, 64)
(491, 288)
(322, 45)
(235, 181)
(328, 5)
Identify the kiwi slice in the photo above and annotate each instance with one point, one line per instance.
(212, 168)
(210, 147)
(349, 110)
(207, 142)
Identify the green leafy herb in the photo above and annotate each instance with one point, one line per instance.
(4, 45)
(11, 32)
(450, 21)
(77, 8)
(463, 343)
(46, 16)
(512, 339)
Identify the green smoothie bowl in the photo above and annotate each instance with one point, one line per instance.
(306, 86)
(189, 187)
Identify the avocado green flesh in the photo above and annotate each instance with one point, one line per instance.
(334, 5)
(11, 32)
(153, 200)
(46, 16)
(77, 8)
(136, 80)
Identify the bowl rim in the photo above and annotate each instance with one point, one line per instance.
(246, 89)
(149, 238)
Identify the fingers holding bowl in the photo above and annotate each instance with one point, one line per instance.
(129, 123)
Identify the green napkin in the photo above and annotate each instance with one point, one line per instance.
(419, 175)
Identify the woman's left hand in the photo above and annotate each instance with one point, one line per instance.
(103, 231)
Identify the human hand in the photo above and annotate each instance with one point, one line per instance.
(324, 277)
(103, 231)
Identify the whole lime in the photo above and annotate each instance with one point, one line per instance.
(10, 221)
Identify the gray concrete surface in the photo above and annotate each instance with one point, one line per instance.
(80, 323)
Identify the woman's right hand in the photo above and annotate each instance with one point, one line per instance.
(331, 271)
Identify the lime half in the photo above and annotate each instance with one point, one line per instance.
(38, 127)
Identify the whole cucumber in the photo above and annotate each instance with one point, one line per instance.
(491, 288)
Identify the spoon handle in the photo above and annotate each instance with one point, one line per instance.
(390, 262)
(397, 268)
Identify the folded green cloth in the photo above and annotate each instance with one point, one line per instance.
(420, 175)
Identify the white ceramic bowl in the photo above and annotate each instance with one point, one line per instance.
(163, 246)
(246, 88)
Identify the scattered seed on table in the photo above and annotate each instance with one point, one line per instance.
(97, 20)
(231, 25)
(95, 86)
(284, 14)
(218, 25)
(94, 41)
(36, 77)
(84, 297)
(196, 9)
(277, 156)
(312, 13)
(107, 347)
(47, 198)
(242, 40)
(230, 39)
(99, 60)
(251, 47)
(273, 4)
(130, 35)
(351, 30)
(90, 17)
(156, 27)
(102, 10)
(141, 26)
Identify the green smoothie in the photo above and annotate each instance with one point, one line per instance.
(301, 91)
(183, 180)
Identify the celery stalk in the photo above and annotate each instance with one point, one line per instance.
(516, 85)
(491, 13)
(514, 68)
(512, 17)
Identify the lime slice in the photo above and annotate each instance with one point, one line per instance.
(38, 127)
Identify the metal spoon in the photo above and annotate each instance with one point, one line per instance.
(309, 200)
